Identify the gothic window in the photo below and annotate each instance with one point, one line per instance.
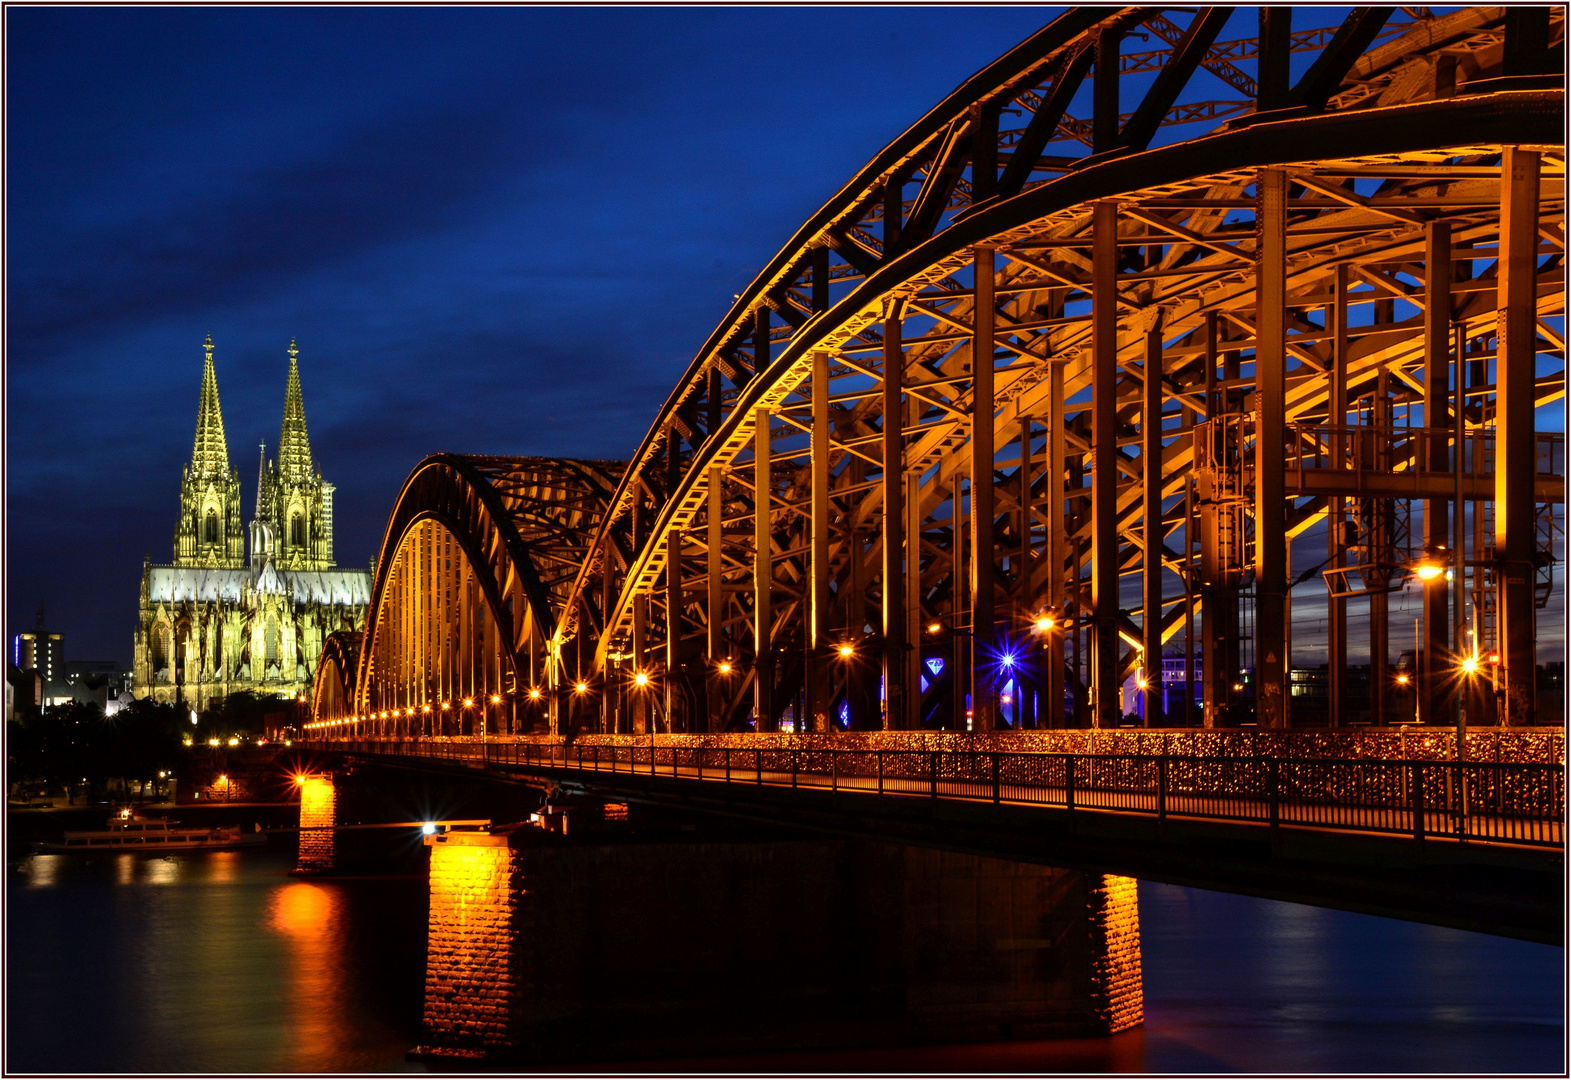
(212, 526)
(160, 646)
(272, 640)
(296, 530)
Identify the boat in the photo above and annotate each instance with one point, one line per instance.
(151, 836)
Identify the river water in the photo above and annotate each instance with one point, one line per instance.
(220, 962)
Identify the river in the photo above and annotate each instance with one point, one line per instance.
(220, 962)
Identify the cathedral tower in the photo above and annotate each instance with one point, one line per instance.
(296, 502)
(210, 532)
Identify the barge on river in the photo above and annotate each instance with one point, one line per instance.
(152, 837)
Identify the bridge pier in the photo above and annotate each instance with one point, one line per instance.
(318, 816)
(541, 952)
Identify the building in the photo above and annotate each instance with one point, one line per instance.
(39, 650)
(219, 620)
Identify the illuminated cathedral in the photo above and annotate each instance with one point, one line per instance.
(218, 620)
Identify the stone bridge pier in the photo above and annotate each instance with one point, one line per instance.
(318, 819)
(544, 948)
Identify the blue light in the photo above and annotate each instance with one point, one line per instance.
(935, 664)
(1008, 660)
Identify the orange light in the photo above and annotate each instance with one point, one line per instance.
(581, 688)
(1141, 684)
(425, 708)
(495, 698)
(846, 651)
(534, 693)
(641, 679)
(1044, 624)
(933, 628)
(1401, 680)
(1470, 664)
(725, 667)
(1428, 570)
(445, 705)
(1492, 658)
(299, 779)
(468, 702)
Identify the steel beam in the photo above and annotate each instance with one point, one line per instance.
(892, 585)
(1271, 661)
(1151, 526)
(763, 579)
(818, 620)
(1515, 359)
(983, 511)
(1104, 486)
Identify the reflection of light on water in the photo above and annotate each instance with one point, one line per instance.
(164, 871)
(308, 916)
(125, 869)
(224, 864)
(43, 870)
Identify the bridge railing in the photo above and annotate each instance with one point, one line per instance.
(1505, 802)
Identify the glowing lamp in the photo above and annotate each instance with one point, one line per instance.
(581, 688)
(725, 667)
(641, 679)
(446, 705)
(1428, 570)
(469, 702)
(212, 742)
(846, 651)
(1044, 624)
(933, 628)
(1470, 664)
(1008, 660)
(1141, 684)
(1401, 680)
(299, 779)
(495, 698)
(534, 693)
(425, 708)
(429, 828)
(1238, 686)
(1492, 658)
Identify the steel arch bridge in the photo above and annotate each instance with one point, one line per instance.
(1254, 302)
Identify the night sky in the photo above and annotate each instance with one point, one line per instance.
(495, 230)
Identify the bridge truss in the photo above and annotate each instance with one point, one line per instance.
(1054, 386)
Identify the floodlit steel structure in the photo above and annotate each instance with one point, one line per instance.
(1053, 385)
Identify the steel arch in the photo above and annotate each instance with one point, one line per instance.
(520, 523)
(1359, 108)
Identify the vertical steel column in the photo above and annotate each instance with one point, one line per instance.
(1271, 662)
(673, 625)
(912, 666)
(817, 638)
(1057, 544)
(763, 573)
(959, 677)
(1104, 90)
(1026, 700)
(1104, 446)
(1437, 375)
(1275, 50)
(1336, 417)
(984, 638)
(1515, 438)
(892, 587)
(715, 538)
(1151, 527)
(640, 710)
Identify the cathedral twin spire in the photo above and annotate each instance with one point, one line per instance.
(293, 520)
(210, 456)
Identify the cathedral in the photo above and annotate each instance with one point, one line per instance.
(217, 620)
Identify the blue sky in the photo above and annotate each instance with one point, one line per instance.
(494, 230)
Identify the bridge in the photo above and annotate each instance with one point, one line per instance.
(1119, 352)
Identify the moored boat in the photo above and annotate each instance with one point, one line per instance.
(151, 836)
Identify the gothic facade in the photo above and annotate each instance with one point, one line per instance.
(218, 620)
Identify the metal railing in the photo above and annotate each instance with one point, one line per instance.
(1503, 802)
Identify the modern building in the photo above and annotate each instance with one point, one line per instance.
(218, 620)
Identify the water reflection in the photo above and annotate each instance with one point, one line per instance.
(308, 916)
